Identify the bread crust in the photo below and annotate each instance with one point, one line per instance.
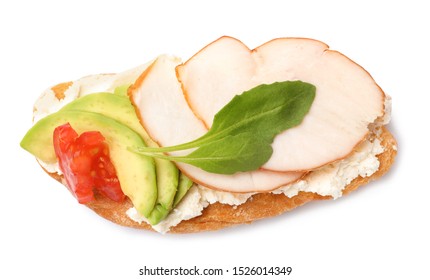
(217, 216)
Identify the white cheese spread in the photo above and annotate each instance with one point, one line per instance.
(329, 180)
(48, 102)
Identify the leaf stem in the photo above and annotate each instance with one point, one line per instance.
(167, 157)
(193, 144)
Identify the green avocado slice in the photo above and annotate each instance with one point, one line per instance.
(121, 90)
(119, 108)
(136, 173)
(113, 106)
(185, 184)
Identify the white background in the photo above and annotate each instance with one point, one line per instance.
(379, 232)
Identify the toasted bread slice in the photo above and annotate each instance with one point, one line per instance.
(217, 216)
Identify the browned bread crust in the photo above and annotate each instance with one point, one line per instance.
(217, 216)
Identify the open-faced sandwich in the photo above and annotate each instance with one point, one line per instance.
(228, 137)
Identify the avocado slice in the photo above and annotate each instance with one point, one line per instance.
(121, 90)
(167, 182)
(185, 184)
(135, 172)
(113, 106)
(119, 108)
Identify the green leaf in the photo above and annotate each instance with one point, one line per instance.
(266, 109)
(235, 155)
(242, 132)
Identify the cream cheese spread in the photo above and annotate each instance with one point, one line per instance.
(48, 103)
(329, 180)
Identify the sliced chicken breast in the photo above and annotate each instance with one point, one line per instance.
(347, 98)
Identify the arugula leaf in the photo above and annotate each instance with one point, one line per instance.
(234, 157)
(266, 109)
(242, 132)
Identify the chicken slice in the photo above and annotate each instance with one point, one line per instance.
(347, 98)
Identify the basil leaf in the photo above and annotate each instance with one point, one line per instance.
(249, 121)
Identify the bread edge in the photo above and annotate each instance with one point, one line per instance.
(264, 205)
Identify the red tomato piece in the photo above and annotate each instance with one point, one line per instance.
(86, 165)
